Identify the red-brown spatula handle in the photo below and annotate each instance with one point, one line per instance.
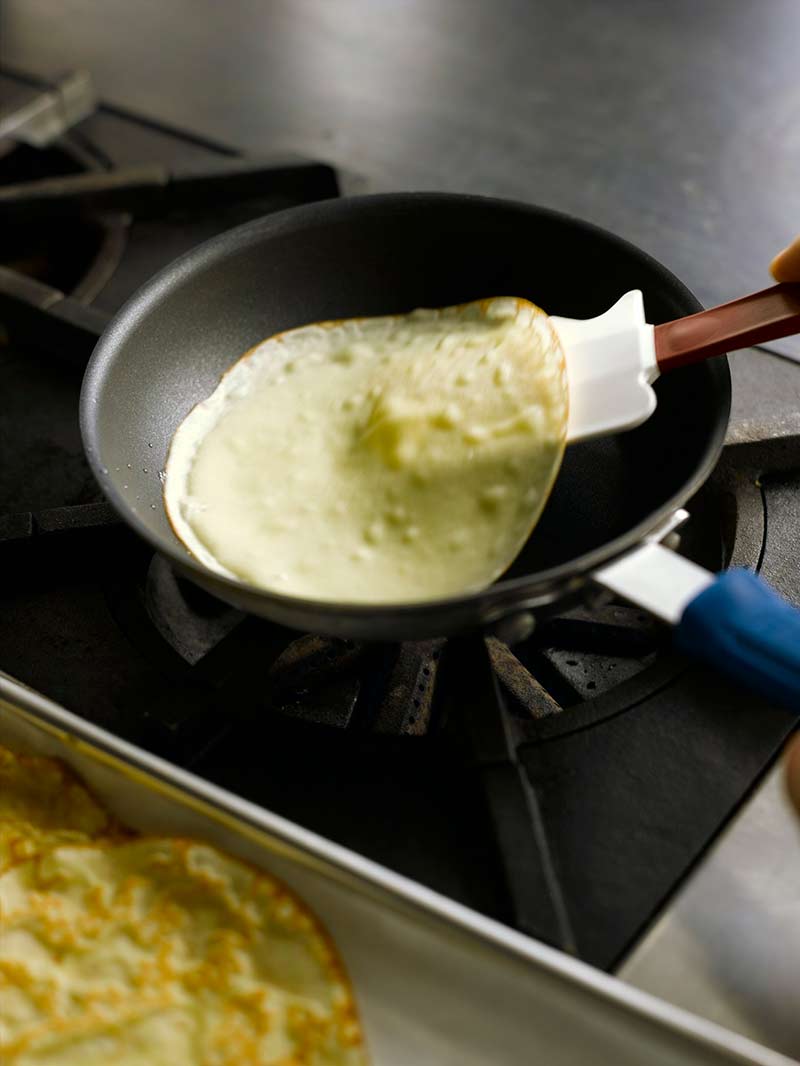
(762, 316)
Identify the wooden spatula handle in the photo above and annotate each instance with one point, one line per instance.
(762, 316)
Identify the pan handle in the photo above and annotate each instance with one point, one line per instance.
(746, 630)
(733, 621)
(755, 319)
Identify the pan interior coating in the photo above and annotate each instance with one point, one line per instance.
(382, 460)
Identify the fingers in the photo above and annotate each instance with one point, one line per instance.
(786, 264)
(793, 772)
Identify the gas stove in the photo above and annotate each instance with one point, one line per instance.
(634, 761)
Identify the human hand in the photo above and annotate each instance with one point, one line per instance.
(786, 264)
(786, 267)
(793, 772)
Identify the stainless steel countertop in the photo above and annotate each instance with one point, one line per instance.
(729, 945)
(673, 124)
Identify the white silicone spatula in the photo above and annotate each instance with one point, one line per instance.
(613, 360)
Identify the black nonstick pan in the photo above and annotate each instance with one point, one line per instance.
(373, 255)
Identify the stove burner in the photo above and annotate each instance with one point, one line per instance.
(587, 652)
(381, 689)
(189, 620)
(609, 650)
(321, 680)
(570, 658)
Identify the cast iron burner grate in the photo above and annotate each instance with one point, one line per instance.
(605, 764)
(75, 253)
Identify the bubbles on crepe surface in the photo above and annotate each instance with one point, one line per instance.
(381, 460)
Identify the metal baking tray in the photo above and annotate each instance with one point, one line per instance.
(436, 983)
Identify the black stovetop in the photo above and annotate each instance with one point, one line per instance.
(636, 758)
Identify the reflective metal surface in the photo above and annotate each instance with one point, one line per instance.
(729, 945)
(43, 117)
(675, 125)
(437, 984)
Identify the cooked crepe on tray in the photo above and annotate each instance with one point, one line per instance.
(136, 950)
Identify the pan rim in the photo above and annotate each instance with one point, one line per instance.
(506, 594)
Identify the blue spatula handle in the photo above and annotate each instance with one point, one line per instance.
(743, 628)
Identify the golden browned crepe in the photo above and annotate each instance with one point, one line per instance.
(41, 804)
(156, 952)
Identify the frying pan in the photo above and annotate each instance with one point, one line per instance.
(614, 498)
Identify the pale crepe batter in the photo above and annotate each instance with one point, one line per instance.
(376, 460)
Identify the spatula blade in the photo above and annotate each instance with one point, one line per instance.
(611, 365)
